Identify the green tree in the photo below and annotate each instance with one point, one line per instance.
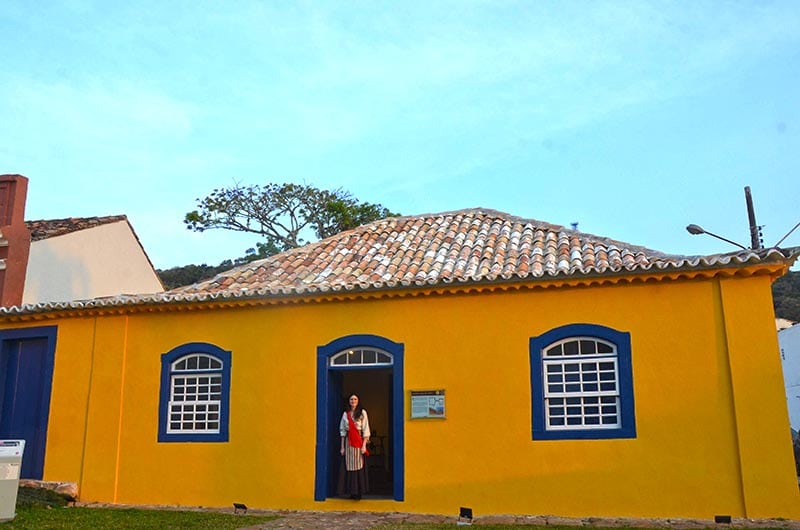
(283, 213)
(786, 296)
(189, 274)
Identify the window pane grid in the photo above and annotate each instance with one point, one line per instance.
(597, 376)
(361, 357)
(196, 362)
(197, 417)
(204, 388)
(195, 395)
(581, 385)
(583, 412)
(579, 346)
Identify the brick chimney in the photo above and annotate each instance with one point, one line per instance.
(15, 239)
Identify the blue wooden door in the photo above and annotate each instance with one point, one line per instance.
(336, 405)
(26, 368)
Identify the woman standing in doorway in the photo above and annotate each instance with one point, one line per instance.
(354, 431)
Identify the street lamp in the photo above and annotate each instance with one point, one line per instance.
(755, 230)
(697, 230)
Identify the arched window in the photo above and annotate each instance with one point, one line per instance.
(582, 384)
(362, 357)
(195, 389)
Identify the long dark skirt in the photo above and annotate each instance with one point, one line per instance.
(353, 483)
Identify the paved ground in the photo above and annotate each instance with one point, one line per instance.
(365, 520)
(310, 520)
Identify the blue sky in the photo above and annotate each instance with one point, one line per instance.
(633, 119)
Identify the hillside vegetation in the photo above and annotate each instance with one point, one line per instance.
(786, 296)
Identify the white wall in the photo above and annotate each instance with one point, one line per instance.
(789, 340)
(105, 260)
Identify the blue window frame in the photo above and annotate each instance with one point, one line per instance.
(582, 384)
(194, 400)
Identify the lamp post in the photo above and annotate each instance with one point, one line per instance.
(697, 230)
(755, 230)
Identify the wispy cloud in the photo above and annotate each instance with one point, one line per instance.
(116, 113)
(395, 99)
(546, 73)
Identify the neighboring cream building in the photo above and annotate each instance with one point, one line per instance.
(67, 259)
(789, 341)
(82, 258)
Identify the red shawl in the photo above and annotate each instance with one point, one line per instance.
(353, 436)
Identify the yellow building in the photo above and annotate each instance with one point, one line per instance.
(507, 365)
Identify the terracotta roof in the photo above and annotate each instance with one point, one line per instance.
(46, 228)
(474, 246)
(465, 245)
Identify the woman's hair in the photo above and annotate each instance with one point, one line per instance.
(359, 408)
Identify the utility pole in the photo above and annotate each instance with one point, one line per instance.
(755, 239)
(756, 243)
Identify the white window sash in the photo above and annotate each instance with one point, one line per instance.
(196, 373)
(194, 404)
(350, 355)
(598, 395)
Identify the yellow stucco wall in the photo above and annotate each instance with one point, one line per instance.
(712, 427)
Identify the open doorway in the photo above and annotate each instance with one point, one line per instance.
(371, 367)
(374, 388)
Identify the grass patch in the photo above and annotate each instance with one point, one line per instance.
(43, 517)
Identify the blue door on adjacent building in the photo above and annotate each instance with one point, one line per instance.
(26, 375)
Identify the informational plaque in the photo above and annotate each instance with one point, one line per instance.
(427, 404)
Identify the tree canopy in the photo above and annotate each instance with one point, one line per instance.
(284, 214)
(786, 296)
